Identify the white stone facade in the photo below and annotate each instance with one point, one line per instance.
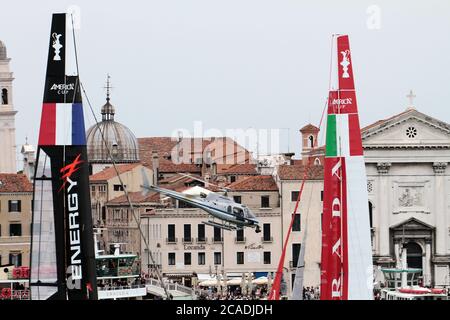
(7, 116)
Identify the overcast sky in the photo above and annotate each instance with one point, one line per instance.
(234, 63)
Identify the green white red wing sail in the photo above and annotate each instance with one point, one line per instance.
(346, 266)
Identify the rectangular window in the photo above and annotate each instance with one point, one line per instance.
(119, 187)
(265, 202)
(201, 259)
(217, 234)
(232, 179)
(171, 233)
(295, 253)
(294, 196)
(240, 235)
(266, 232)
(217, 258)
(321, 195)
(297, 223)
(237, 199)
(15, 259)
(201, 233)
(239, 257)
(14, 206)
(15, 230)
(187, 233)
(187, 258)
(171, 259)
(267, 257)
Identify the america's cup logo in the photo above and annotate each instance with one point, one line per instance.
(345, 63)
(57, 46)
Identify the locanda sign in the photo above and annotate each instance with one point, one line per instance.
(190, 247)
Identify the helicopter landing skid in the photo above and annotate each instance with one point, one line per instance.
(220, 225)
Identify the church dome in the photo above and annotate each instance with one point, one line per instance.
(3, 54)
(120, 140)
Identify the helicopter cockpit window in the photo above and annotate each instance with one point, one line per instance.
(248, 214)
(238, 211)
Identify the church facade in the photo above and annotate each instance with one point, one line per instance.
(408, 176)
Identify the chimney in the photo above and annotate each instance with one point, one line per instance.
(155, 167)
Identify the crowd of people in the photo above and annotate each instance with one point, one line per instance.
(311, 293)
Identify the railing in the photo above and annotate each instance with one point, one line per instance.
(134, 286)
(217, 240)
(170, 286)
(267, 239)
(171, 240)
(187, 240)
(240, 240)
(201, 240)
(130, 291)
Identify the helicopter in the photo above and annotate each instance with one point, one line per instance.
(232, 215)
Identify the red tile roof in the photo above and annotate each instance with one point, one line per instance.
(255, 183)
(136, 197)
(165, 146)
(110, 172)
(297, 172)
(14, 183)
(245, 168)
(309, 128)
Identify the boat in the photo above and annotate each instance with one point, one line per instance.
(63, 265)
(346, 261)
(118, 274)
(403, 284)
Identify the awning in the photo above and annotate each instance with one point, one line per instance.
(178, 275)
(205, 276)
(260, 274)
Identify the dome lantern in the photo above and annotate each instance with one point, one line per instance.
(108, 110)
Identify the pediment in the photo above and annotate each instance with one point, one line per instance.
(409, 129)
(412, 224)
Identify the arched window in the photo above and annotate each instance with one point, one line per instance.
(317, 162)
(4, 96)
(370, 215)
(311, 141)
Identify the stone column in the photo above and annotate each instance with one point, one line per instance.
(427, 263)
(397, 254)
(439, 207)
(383, 206)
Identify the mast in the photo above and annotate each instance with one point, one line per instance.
(62, 245)
(346, 265)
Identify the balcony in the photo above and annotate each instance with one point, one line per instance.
(187, 240)
(171, 240)
(240, 240)
(217, 240)
(267, 239)
(201, 240)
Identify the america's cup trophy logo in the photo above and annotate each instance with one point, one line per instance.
(345, 63)
(57, 46)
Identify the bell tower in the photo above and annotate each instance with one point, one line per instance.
(7, 115)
